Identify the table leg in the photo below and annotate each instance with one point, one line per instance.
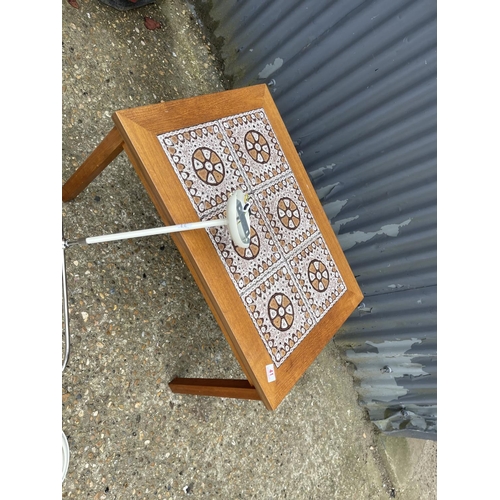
(223, 388)
(110, 147)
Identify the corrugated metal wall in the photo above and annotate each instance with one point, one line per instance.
(355, 82)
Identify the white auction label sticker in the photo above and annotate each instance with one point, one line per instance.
(271, 374)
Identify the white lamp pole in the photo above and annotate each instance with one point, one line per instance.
(238, 208)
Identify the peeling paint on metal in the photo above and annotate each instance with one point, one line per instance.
(269, 69)
(348, 240)
(393, 229)
(337, 224)
(407, 418)
(333, 208)
(380, 385)
(322, 171)
(364, 308)
(326, 190)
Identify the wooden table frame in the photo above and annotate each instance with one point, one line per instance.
(136, 132)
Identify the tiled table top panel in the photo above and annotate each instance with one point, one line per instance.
(287, 278)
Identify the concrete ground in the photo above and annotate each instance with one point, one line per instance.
(138, 319)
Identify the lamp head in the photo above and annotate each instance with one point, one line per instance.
(238, 218)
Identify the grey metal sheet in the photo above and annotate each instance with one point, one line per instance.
(355, 82)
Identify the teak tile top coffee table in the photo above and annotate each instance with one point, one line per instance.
(279, 301)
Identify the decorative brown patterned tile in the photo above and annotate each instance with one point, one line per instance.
(279, 313)
(255, 145)
(204, 164)
(287, 213)
(318, 277)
